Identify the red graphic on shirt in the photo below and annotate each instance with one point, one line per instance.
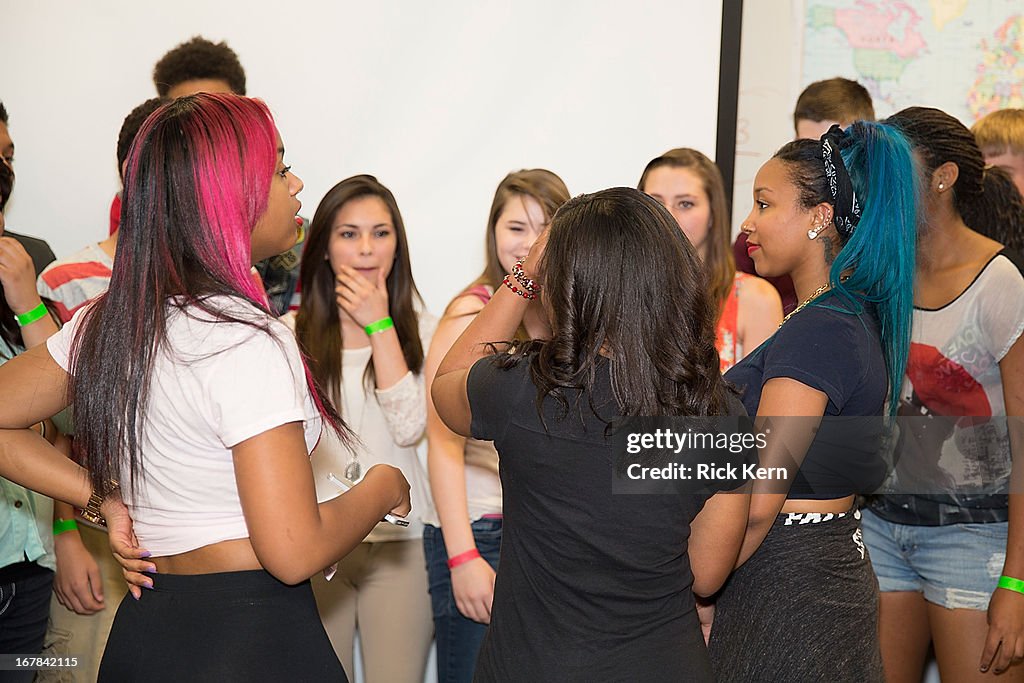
(942, 387)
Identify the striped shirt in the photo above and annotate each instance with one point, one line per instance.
(72, 282)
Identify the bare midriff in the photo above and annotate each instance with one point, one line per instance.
(834, 505)
(226, 556)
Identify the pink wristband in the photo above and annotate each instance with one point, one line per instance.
(463, 558)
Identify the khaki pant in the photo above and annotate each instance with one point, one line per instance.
(381, 589)
(84, 636)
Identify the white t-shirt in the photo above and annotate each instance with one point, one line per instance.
(214, 384)
(954, 451)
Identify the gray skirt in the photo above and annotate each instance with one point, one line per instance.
(803, 608)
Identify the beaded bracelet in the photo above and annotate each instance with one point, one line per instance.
(529, 284)
(518, 289)
(29, 317)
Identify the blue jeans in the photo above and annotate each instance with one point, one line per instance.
(458, 638)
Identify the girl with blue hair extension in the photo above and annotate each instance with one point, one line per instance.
(837, 215)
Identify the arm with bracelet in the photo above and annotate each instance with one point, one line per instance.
(1004, 643)
(366, 303)
(499, 319)
(78, 581)
(35, 388)
(472, 581)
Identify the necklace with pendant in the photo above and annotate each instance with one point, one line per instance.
(353, 469)
(818, 292)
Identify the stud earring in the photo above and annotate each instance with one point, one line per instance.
(941, 187)
(812, 234)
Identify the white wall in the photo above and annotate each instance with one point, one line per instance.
(769, 86)
(438, 100)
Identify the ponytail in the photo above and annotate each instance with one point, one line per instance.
(867, 175)
(879, 254)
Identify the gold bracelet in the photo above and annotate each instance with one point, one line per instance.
(91, 511)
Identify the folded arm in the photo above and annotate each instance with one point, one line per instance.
(786, 445)
(294, 537)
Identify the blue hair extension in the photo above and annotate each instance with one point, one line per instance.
(879, 255)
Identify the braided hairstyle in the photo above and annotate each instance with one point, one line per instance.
(937, 137)
(1001, 215)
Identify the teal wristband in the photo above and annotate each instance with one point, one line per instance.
(62, 525)
(379, 326)
(29, 317)
(1011, 584)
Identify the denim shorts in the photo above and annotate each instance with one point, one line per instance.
(956, 566)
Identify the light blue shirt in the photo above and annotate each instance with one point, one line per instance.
(26, 518)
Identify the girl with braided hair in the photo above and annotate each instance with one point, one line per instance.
(838, 216)
(948, 542)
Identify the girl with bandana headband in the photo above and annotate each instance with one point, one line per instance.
(838, 216)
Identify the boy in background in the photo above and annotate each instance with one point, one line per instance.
(200, 65)
(1000, 136)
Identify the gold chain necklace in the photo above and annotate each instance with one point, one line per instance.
(818, 292)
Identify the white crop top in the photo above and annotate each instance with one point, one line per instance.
(214, 385)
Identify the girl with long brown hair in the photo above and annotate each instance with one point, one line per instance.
(690, 186)
(461, 543)
(359, 323)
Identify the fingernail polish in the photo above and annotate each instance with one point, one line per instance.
(136, 596)
(145, 553)
(148, 585)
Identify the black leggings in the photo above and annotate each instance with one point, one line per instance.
(233, 626)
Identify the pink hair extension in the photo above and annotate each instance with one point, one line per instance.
(231, 214)
(229, 143)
